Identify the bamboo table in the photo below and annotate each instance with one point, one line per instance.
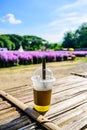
(68, 106)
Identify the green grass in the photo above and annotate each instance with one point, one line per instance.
(81, 59)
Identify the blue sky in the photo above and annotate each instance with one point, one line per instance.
(48, 19)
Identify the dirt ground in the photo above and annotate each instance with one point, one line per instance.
(21, 75)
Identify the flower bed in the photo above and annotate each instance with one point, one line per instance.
(12, 58)
(80, 53)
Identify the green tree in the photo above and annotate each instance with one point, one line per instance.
(5, 42)
(58, 47)
(16, 39)
(1, 44)
(25, 44)
(81, 36)
(69, 40)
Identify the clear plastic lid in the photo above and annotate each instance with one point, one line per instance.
(43, 84)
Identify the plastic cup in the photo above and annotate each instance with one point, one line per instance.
(42, 90)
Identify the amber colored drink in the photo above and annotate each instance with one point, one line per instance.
(42, 100)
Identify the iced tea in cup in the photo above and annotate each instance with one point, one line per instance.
(42, 90)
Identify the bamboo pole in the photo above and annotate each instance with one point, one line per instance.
(30, 112)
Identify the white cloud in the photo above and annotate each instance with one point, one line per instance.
(68, 21)
(11, 19)
(70, 14)
(78, 3)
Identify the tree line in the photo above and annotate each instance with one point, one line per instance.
(76, 39)
(14, 41)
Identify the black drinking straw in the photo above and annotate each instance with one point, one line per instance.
(43, 67)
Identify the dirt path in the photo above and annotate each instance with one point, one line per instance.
(18, 76)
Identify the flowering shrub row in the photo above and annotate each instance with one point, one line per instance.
(11, 58)
(80, 53)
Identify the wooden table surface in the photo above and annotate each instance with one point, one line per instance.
(68, 105)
